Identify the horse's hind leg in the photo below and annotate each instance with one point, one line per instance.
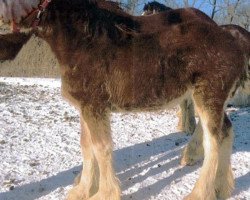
(194, 152)
(86, 180)
(217, 142)
(99, 126)
(224, 182)
(187, 117)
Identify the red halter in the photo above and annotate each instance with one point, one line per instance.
(41, 8)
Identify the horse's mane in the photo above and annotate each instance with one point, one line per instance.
(99, 17)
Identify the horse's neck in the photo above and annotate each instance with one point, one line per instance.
(66, 47)
(94, 27)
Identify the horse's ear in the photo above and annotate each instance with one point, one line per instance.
(11, 44)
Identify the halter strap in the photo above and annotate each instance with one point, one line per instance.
(39, 10)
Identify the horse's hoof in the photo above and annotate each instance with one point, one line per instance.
(224, 185)
(193, 196)
(191, 155)
(99, 197)
(201, 192)
(113, 194)
(187, 159)
(76, 194)
(77, 179)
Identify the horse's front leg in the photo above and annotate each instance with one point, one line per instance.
(100, 131)
(86, 180)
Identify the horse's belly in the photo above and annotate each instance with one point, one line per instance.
(148, 102)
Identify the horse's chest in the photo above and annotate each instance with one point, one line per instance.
(71, 91)
(82, 86)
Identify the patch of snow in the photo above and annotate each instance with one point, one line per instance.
(40, 151)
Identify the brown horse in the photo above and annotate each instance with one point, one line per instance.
(112, 61)
(194, 150)
(11, 44)
(187, 115)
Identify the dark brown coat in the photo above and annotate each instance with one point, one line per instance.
(111, 61)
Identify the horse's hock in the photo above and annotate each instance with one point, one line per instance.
(34, 60)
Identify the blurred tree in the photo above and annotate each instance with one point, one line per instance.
(222, 11)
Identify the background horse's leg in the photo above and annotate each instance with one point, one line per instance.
(217, 142)
(187, 116)
(99, 126)
(86, 180)
(194, 151)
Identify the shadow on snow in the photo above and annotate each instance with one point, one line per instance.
(155, 157)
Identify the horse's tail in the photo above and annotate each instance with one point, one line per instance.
(244, 83)
(241, 95)
(248, 68)
(243, 38)
(246, 87)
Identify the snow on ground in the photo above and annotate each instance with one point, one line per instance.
(40, 152)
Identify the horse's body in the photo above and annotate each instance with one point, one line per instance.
(111, 61)
(187, 115)
(194, 150)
